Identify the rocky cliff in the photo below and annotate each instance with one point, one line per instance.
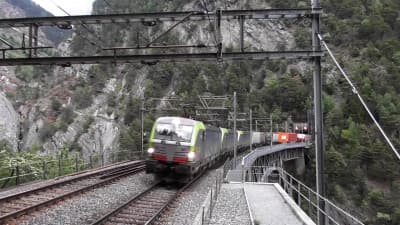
(9, 122)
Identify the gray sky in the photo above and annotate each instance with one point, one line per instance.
(73, 7)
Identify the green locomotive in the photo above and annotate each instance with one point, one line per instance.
(180, 147)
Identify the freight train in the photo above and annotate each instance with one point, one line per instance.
(179, 147)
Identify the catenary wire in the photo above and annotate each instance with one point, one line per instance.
(209, 19)
(84, 26)
(356, 92)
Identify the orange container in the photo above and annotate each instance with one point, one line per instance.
(282, 137)
(292, 137)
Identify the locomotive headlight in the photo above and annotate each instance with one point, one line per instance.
(150, 150)
(191, 156)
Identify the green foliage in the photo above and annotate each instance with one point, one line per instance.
(383, 218)
(302, 38)
(82, 97)
(87, 124)
(132, 110)
(130, 139)
(396, 216)
(25, 73)
(55, 105)
(47, 131)
(373, 28)
(97, 77)
(67, 115)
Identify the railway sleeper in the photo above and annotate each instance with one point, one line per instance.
(115, 220)
(135, 216)
(155, 203)
(143, 206)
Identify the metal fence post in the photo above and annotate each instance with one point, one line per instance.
(309, 203)
(243, 180)
(59, 165)
(216, 185)
(91, 161)
(131, 155)
(299, 194)
(202, 216)
(17, 174)
(76, 163)
(102, 159)
(44, 170)
(211, 201)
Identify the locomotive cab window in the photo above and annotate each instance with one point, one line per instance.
(173, 132)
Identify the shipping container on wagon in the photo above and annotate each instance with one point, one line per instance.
(292, 137)
(257, 138)
(303, 138)
(283, 137)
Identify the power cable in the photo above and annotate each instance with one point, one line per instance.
(23, 33)
(84, 26)
(107, 3)
(209, 19)
(356, 92)
(229, 24)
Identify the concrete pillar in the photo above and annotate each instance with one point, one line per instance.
(300, 165)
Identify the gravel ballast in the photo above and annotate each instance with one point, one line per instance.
(231, 207)
(191, 201)
(90, 206)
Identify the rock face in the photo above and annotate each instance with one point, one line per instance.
(9, 123)
(103, 137)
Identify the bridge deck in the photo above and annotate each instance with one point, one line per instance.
(270, 205)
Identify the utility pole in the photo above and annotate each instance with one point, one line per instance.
(142, 125)
(270, 131)
(234, 129)
(241, 22)
(256, 125)
(318, 116)
(251, 130)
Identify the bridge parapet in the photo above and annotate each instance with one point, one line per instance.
(266, 156)
(276, 152)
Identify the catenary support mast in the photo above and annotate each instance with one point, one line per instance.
(318, 116)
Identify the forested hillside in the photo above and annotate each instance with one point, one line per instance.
(99, 105)
(365, 36)
(360, 165)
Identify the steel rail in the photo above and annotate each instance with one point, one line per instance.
(63, 182)
(173, 198)
(116, 211)
(16, 214)
(67, 21)
(127, 203)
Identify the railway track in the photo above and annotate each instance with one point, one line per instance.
(14, 206)
(145, 208)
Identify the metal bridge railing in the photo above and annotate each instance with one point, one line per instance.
(299, 191)
(306, 198)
